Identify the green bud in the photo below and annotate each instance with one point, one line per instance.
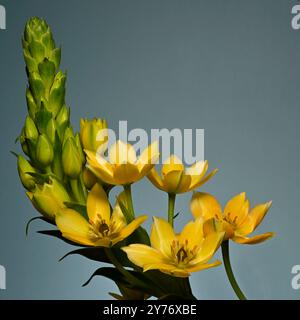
(68, 134)
(44, 150)
(31, 105)
(30, 62)
(24, 167)
(51, 130)
(37, 87)
(23, 143)
(55, 57)
(57, 94)
(89, 178)
(49, 198)
(47, 73)
(30, 130)
(79, 147)
(93, 134)
(63, 115)
(71, 161)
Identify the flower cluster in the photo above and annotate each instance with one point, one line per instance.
(68, 179)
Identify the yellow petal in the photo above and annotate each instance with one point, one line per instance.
(129, 229)
(208, 247)
(193, 233)
(150, 155)
(197, 171)
(196, 184)
(162, 236)
(246, 227)
(259, 212)
(184, 185)
(141, 254)
(173, 163)
(80, 240)
(168, 269)
(73, 226)
(237, 208)
(254, 240)
(201, 266)
(98, 204)
(117, 218)
(100, 167)
(126, 174)
(171, 181)
(205, 205)
(121, 152)
(155, 178)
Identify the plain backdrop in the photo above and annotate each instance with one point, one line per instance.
(229, 67)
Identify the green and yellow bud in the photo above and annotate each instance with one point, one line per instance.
(72, 163)
(30, 129)
(63, 116)
(79, 147)
(49, 198)
(24, 168)
(44, 151)
(89, 179)
(94, 134)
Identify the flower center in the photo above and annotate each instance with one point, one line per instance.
(99, 229)
(182, 253)
(231, 220)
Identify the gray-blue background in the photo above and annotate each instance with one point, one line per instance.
(231, 67)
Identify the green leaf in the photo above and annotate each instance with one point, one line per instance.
(36, 218)
(57, 234)
(40, 178)
(98, 254)
(108, 272)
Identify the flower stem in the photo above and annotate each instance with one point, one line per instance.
(127, 189)
(131, 278)
(229, 272)
(171, 206)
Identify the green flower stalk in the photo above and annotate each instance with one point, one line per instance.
(56, 159)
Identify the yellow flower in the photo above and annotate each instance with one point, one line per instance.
(103, 229)
(175, 178)
(123, 167)
(237, 220)
(177, 254)
(94, 134)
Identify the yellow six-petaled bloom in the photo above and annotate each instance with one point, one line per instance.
(175, 178)
(103, 228)
(177, 254)
(123, 167)
(237, 220)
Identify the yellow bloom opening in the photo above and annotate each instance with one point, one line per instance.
(177, 254)
(175, 178)
(103, 228)
(237, 220)
(123, 167)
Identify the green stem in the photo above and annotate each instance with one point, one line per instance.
(229, 272)
(127, 189)
(171, 207)
(131, 278)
